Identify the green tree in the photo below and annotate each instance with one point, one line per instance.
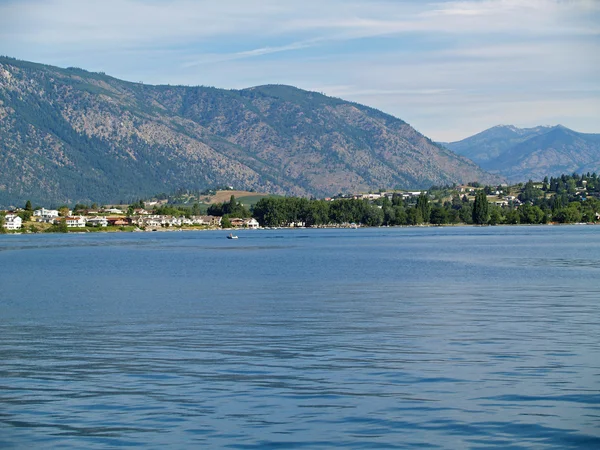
(495, 216)
(480, 208)
(423, 206)
(531, 214)
(569, 214)
(373, 216)
(400, 217)
(225, 223)
(512, 217)
(413, 216)
(438, 215)
(28, 206)
(466, 213)
(25, 215)
(196, 209)
(59, 227)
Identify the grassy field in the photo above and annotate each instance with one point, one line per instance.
(224, 196)
(244, 197)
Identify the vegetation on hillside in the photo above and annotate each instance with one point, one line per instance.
(72, 136)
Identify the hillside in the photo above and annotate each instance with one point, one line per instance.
(69, 135)
(531, 153)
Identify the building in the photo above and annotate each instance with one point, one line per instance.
(75, 222)
(251, 223)
(46, 213)
(12, 222)
(97, 222)
(118, 221)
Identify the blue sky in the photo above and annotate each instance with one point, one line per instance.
(449, 68)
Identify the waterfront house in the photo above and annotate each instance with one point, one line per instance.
(251, 223)
(75, 222)
(97, 222)
(12, 222)
(236, 222)
(214, 221)
(118, 221)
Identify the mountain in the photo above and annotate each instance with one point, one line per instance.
(520, 154)
(69, 135)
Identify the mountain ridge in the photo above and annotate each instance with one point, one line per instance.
(520, 154)
(71, 135)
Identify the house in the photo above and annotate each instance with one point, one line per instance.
(46, 213)
(97, 222)
(112, 211)
(155, 203)
(12, 222)
(251, 223)
(236, 222)
(213, 221)
(150, 222)
(76, 222)
(118, 221)
(370, 196)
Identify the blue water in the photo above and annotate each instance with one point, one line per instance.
(372, 338)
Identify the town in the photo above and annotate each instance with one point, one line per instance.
(566, 199)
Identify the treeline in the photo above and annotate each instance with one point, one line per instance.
(565, 199)
(561, 200)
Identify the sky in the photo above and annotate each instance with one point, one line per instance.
(449, 68)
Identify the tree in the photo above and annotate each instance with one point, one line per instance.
(466, 213)
(63, 211)
(196, 209)
(438, 216)
(512, 217)
(480, 208)
(25, 215)
(225, 223)
(413, 216)
(495, 216)
(28, 206)
(424, 207)
(531, 214)
(373, 217)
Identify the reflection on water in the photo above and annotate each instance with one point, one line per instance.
(392, 338)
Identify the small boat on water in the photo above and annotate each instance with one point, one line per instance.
(231, 236)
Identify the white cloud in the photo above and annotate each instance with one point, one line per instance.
(433, 63)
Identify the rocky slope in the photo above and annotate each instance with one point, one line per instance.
(69, 135)
(531, 153)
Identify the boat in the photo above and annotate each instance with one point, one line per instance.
(231, 236)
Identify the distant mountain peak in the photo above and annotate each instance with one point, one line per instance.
(529, 153)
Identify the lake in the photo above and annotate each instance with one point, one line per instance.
(454, 338)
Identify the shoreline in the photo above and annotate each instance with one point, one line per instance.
(339, 227)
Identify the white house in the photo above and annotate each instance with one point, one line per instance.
(12, 222)
(46, 213)
(97, 221)
(76, 222)
(251, 223)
